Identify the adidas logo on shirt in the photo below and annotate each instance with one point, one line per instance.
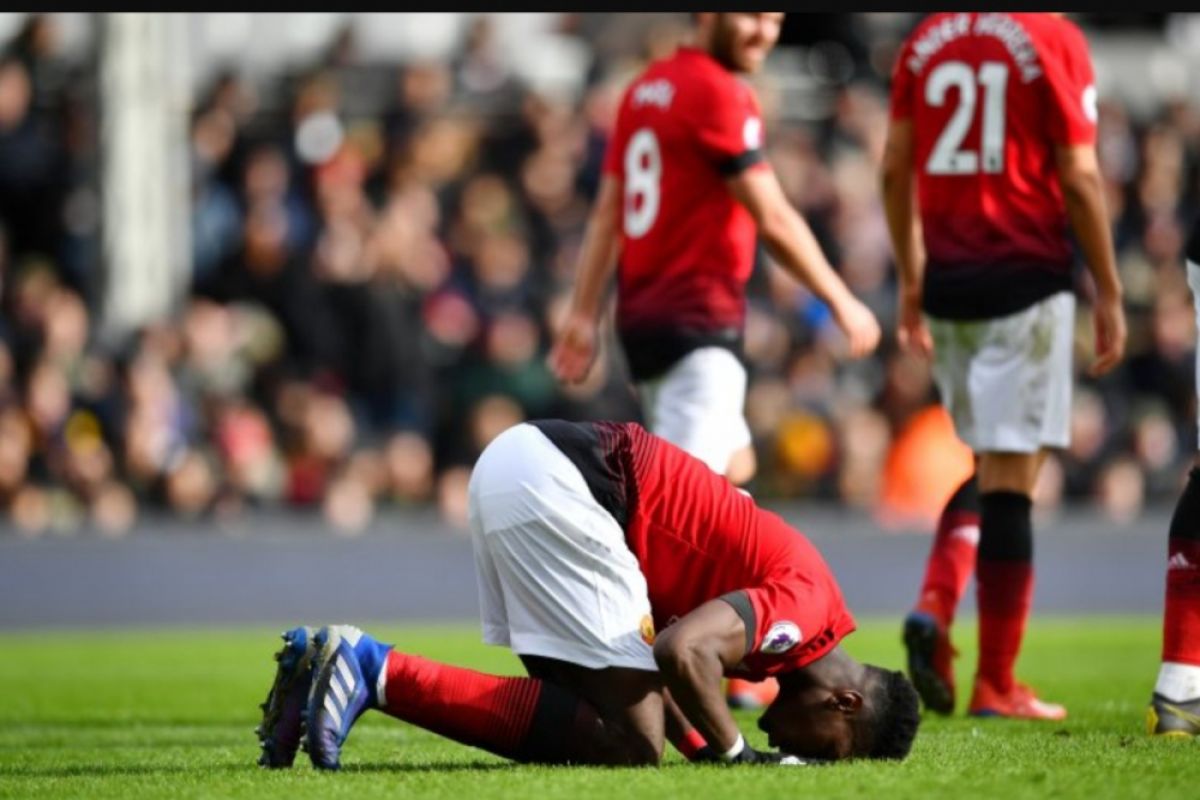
(1179, 561)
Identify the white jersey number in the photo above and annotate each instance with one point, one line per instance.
(948, 156)
(643, 173)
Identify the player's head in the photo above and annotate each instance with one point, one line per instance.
(876, 718)
(739, 39)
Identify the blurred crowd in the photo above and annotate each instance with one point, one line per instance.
(374, 293)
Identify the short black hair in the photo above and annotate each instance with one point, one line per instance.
(890, 724)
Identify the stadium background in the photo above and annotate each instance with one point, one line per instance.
(263, 269)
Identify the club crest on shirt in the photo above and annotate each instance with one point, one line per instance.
(781, 637)
(647, 629)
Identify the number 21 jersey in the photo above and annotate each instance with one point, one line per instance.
(990, 96)
(687, 246)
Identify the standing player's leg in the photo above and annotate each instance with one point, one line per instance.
(1004, 585)
(1175, 705)
(1025, 402)
(1006, 383)
(949, 568)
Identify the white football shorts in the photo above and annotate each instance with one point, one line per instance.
(1193, 278)
(1007, 381)
(697, 405)
(556, 577)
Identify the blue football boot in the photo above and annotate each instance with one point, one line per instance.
(279, 732)
(343, 687)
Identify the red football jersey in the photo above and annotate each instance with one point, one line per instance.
(687, 246)
(990, 95)
(697, 538)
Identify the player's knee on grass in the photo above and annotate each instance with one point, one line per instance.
(575, 732)
(612, 743)
(604, 738)
(620, 718)
(631, 715)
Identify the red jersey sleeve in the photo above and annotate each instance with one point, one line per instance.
(1071, 85)
(788, 625)
(729, 127)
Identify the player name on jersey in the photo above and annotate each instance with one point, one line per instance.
(1001, 26)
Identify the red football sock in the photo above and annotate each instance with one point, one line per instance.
(1181, 617)
(1004, 596)
(951, 562)
(524, 719)
(1003, 583)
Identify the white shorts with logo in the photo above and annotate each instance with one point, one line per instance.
(556, 577)
(1193, 278)
(1007, 381)
(698, 404)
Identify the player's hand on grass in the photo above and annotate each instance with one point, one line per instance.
(858, 324)
(574, 349)
(1109, 320)
(911, 331)
(706, 755)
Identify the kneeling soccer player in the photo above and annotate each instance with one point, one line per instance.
(589, 538)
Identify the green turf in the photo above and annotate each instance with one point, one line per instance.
(170, 714)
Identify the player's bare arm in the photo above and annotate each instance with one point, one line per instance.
(574, 349)
(1083, 192)
(904, 225)
(692, 656)
(791, 241)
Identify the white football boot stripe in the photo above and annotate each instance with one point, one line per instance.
(343, 672)
(339, 693)
(332, 708)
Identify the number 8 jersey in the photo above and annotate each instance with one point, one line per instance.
(687, 246)
(990, 96)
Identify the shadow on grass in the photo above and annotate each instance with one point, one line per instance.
(94, 724)
(483, 766)
(401, 767)
(111, 771)
(57, 744)
(372, 768)
(112, 734)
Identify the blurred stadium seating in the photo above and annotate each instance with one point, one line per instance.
(384, 213)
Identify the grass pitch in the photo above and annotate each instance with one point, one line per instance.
(171, 714)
